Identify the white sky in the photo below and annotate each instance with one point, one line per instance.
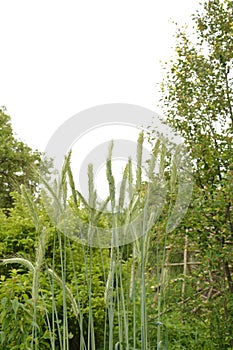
(60, 57)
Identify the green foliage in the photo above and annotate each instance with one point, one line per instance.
(17, 162)
(17, 314)
(197, 101)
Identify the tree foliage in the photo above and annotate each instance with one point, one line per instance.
(198, 103)
(17, 162)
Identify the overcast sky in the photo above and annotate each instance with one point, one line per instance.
(61, 57)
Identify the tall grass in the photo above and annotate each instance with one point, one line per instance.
(130, 321)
